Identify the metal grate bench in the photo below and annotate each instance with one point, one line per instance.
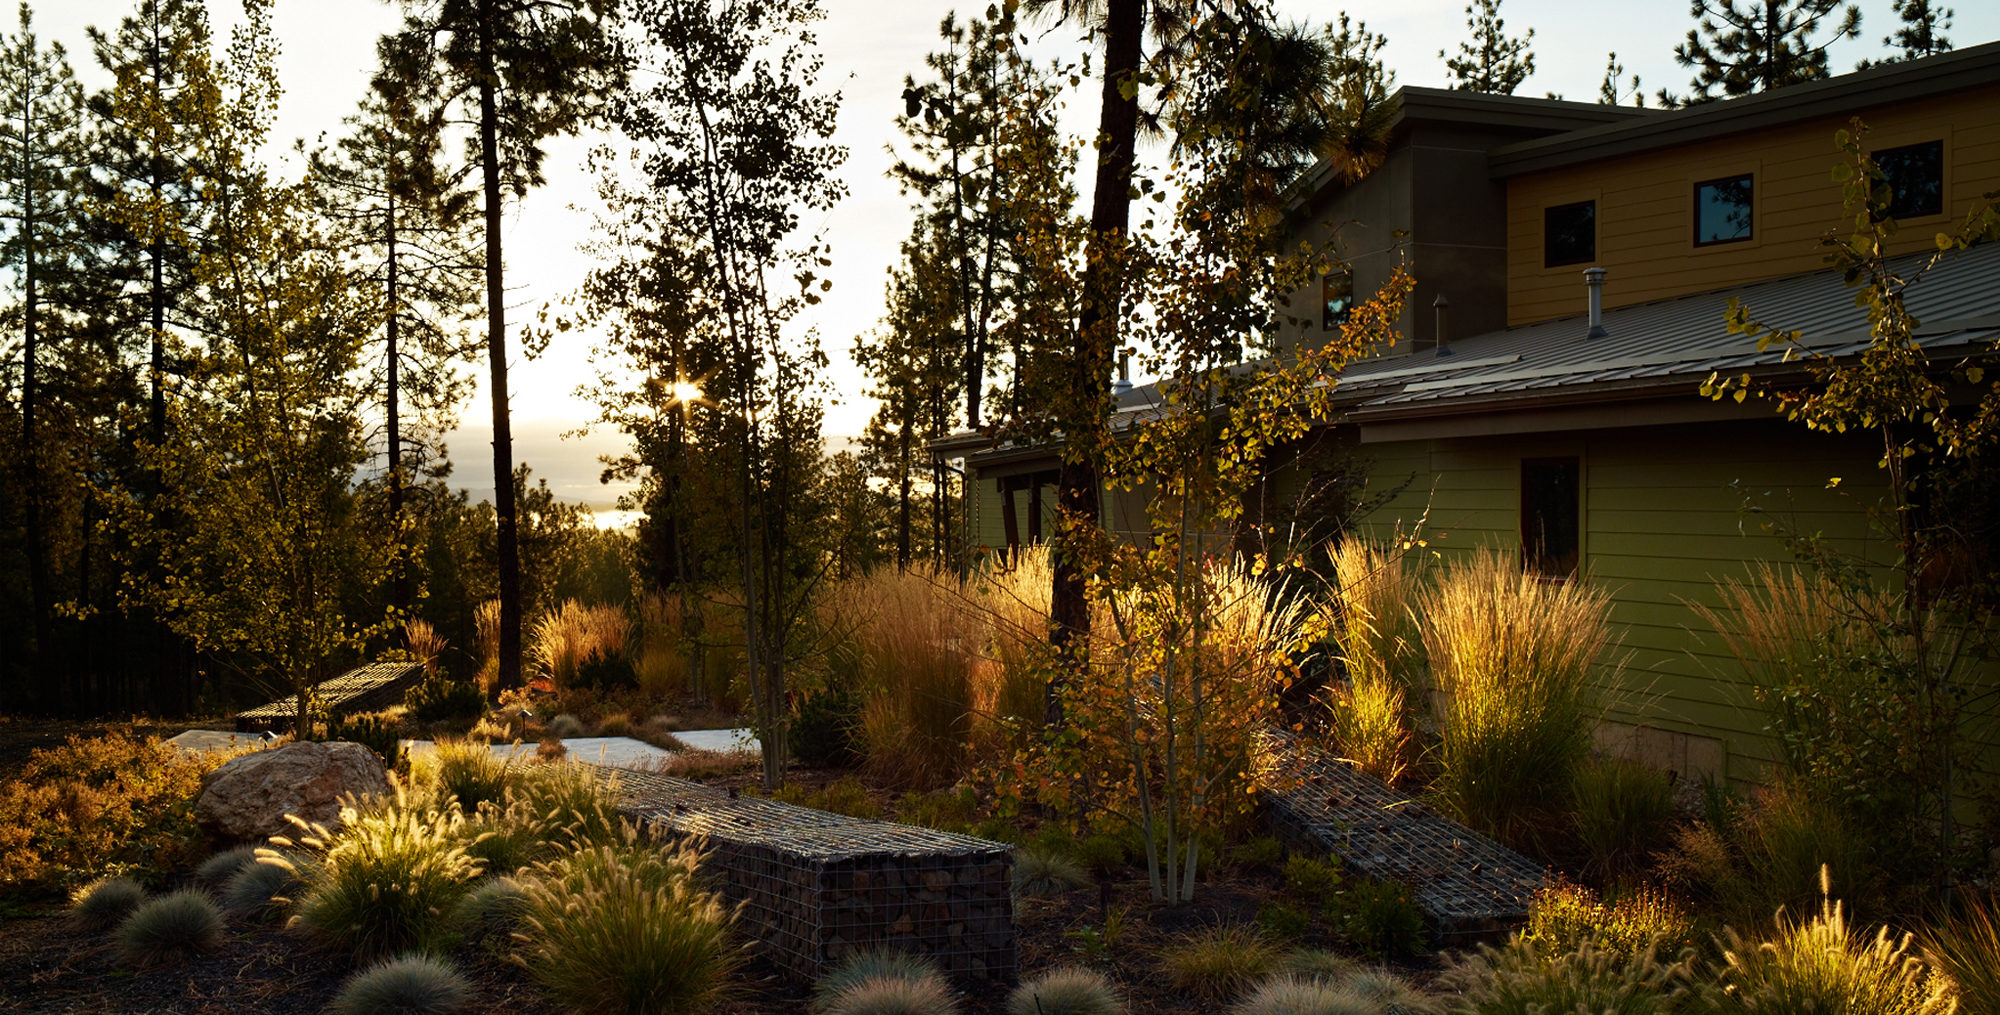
(361, 689)
(1467, 885)
(816, 887)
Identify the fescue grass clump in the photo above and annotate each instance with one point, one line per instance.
(101, 904)
(626, 928)
(1044, 873)
(1066, 990)
(409, 985)
(1293, 995)
(494, 906)
(263, 887)
(1511, 658)
(218, 869)
(873, 964)
(171, 928)
(1315, 964)
(389, 881)
(1816, 965)
(894, 996)
(1522, 979)
(1221, 962)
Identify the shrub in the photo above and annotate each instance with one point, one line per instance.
(1624, 811)
(1042, 873)
(823, 732)
(659, 731)
(389, 880)
(626, 928)
(376, 733)
(1816, 965)
(847, 796)
(103, 903)
(437, 697)
(872, 964)
(218, 869)
(1312, 881)
(1283, 922)
(1380, 918)
(171, 928)
(617, 724)
(1068, 990)
(265, 886)
(469, 771)
(1219, 963)
(410, 985)
(1524, 979)
(1511, 656)
(1563, 914)
(894, 996)
(944, 810)
(97, 805)
(1965, 946)
(566, 727)
(1261, 853)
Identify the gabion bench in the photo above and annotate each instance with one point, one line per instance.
(1467, 885)
(816, 887)
(362, 689)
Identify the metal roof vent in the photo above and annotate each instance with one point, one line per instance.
(1440, 305)
(1124, 382)
(1595, 278)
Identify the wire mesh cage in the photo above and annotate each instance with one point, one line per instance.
(1467, 885)
(816, 887)
(361, 689)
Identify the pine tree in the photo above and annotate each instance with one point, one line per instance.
(1609, 92)
(1761, 45)
(1920, 35)
(1492, 61)
(400, 211)
(41, 148)
(524, 71)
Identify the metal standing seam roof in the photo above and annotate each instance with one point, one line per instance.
(1679, 341)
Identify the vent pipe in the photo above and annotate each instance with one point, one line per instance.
(1439, 306)
(1594, 277)
(1124, 382)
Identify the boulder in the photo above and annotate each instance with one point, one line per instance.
(248, 797)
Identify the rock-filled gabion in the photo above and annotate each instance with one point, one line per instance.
(815, 887)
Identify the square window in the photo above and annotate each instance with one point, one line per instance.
(1722, 210)
(1569, 234)
(1551, 537)
(1336, 294)
(1915, 175)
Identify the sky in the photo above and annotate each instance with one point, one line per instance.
(328, 54)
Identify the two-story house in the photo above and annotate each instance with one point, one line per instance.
(1574, 264)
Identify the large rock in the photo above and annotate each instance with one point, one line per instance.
(248, 797)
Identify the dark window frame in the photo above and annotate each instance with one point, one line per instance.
(1885, 157)
(1750, 221)
(1560, 559)
(1011, 522)
(1550, 258)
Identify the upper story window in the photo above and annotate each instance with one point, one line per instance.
(1336, 294)
(1569, 234)
(1915, 175)
(1722, 210)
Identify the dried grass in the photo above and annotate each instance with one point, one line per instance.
(574, 636)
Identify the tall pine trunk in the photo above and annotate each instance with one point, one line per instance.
(1088, 400)
(395, 421)
(496, 352)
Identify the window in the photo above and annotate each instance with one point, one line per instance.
(1722, 210)
(1037, 505)
(1336, 294)
(1550, 534)
(1915, 175)
(1569, 234)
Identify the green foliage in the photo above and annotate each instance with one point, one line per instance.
(1963, 944)
(493, 908)
(1042, 873)
(408, 985)
(950, 810)
(1312, 881)
(1818, 965)
(469, 771)
(1512, 659)
(627, 928)
(1624, 812)
(389, 880)
(823, 729)
(1564, 914)
(1260, 852)
(1282, 922)
(847, 795)
(1380, 918)
(104, 903)
(438, 697)
(218, 869)
(1219, 963)
(1096, 944)
(170, 928)
(1758, 46)
(373, 732)
(1523, 978)
(96, 805)
(1492, 61)
(1066, 990)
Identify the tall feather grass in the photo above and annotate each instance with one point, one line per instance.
(573, 637)
(1012, 600)
(663, 661)
(1381, 649)
(486, 620)
(917, 642)
(423, 643)
(1511, 656)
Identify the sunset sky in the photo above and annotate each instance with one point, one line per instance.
(328, 53)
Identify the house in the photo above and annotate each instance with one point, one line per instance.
(1574, 266)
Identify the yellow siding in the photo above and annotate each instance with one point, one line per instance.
(1645, 202)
